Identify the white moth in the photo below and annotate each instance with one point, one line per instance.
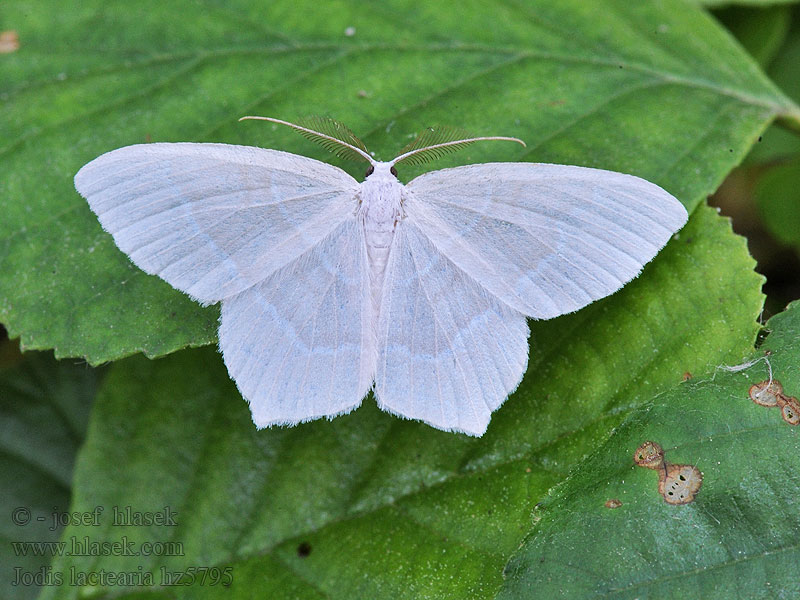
(331, 288)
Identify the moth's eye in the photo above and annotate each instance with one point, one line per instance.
(369, 171)
(393, 171)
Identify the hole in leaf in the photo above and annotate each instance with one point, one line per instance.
(679, 484)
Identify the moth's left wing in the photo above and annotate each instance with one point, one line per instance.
(300, 344)
(214, 219)
(449, 353)
(544, 239)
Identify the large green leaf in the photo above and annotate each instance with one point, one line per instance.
(778, 143)
(778, 195)
(761, 30)
(750, 3)
(371, 506)
(739, 538)
(44, 410)
(652, 88)
(776, 189)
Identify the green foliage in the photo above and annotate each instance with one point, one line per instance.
(777, 189)
(770, 177)
(747, 3)
(654, 89)
(778, 195)
(737, 539)
(44, 409)
(760, 29)
(368, 505)
(392, 508)
(783, 67)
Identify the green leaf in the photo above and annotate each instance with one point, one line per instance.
(775, 163)
(761, 30)
(372, 506)
(44, 410)
(777, 194)
(778, 143)
(739, 538)
(657, 89)
(753, 3)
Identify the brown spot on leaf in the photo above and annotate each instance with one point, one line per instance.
(613, 503)
(9, 42)
(790, 410)
(766, 393)
(687, 376)
(679, 483)
(770, 393)
(649, 455)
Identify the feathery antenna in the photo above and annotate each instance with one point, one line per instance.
(329, 133)
(430, 144)
(435, 142)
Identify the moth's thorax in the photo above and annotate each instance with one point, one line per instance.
(381, 205)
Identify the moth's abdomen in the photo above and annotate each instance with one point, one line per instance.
(379, 236)
(380, 211)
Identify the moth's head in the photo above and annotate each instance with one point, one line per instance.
(382, 171)
(429, 144)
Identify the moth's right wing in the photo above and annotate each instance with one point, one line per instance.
(214, 219)
(544, 239)
(448, 352)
